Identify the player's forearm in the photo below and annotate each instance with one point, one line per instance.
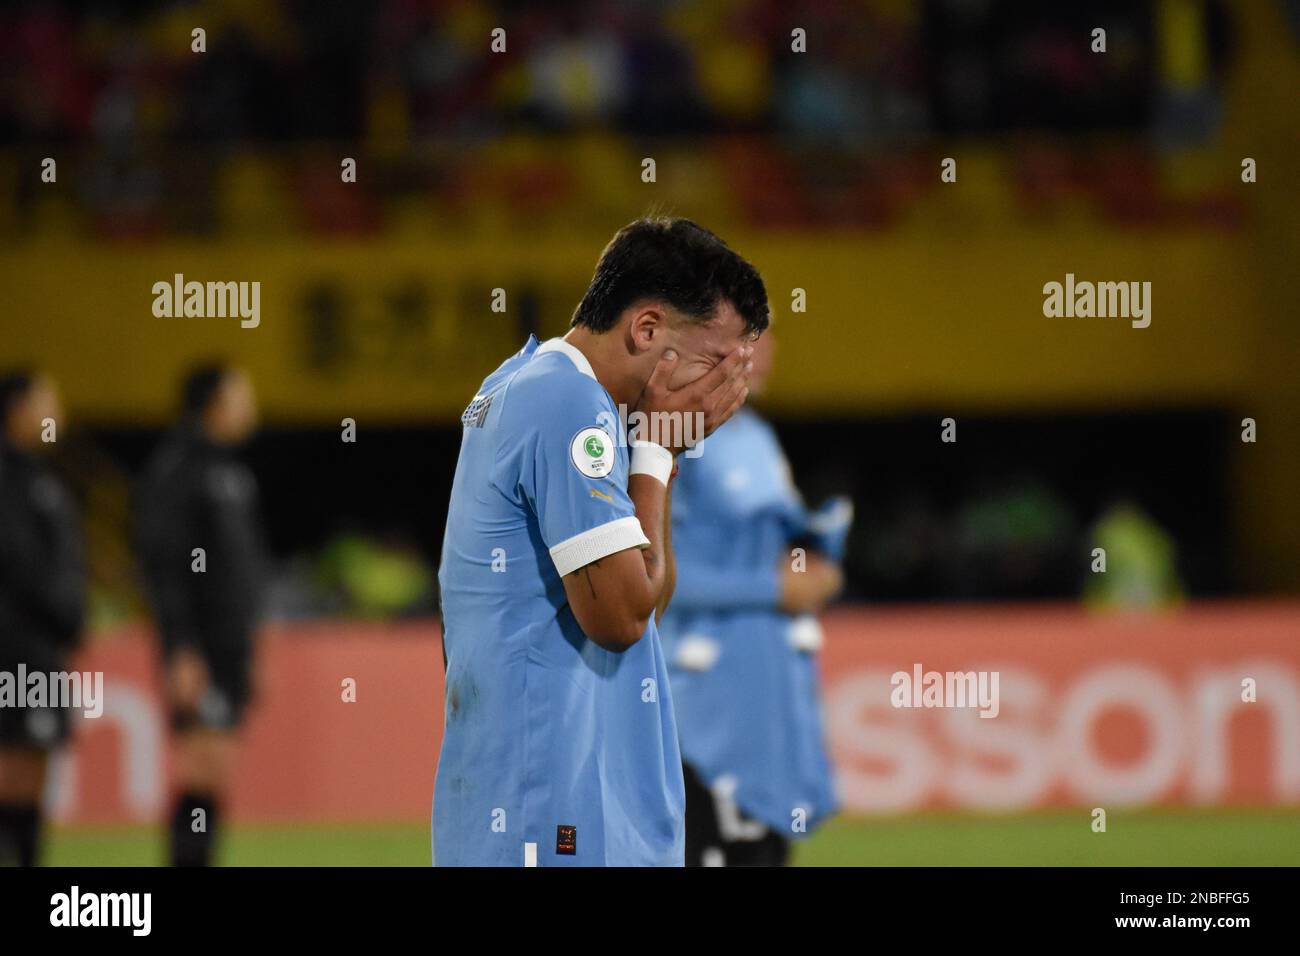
(614, 597)
(650, 497)
(670, 559)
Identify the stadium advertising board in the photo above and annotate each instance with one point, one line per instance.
(1194, 707)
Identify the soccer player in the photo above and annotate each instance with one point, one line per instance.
(199, 542)
(560, 746)
(42, 602)
(741, 643)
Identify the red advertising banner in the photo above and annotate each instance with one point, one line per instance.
(347, 728)
(1094, 709)
(1196, 706)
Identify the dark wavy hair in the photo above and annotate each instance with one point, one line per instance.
(677, 262)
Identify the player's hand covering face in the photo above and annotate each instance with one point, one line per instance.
(703, 377)
(712, 398)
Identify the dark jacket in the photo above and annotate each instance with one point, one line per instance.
(197, 494)
(42, 564)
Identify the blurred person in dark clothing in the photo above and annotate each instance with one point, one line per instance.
(42, 601)
(199, 544)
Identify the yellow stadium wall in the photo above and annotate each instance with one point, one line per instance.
(891, 323)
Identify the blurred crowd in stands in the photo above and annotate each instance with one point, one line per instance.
(406, 71)
(812, 111)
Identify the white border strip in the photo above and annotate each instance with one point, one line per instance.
(598, 542)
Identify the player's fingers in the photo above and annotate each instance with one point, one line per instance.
(704, 386)
(662, 372)
(728, 398)
(732, 408)
(726, 393)
(732, 399)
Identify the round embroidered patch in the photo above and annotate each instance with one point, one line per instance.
(592, 451)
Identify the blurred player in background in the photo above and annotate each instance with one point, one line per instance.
(42, 601)
(754, 566)
(559, 745)
(195, 494)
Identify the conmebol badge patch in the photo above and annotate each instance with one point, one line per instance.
(592, 451)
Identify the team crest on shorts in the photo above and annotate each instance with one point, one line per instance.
(592, 451)
(566, 840)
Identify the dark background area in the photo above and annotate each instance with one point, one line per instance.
(913, 494)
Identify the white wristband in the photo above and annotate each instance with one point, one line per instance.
(653, 460)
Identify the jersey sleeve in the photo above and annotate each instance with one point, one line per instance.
(574, 476)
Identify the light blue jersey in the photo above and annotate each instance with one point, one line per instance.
(744, 672)
(555, 752)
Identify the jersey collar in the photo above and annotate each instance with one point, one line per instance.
(572, 351)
